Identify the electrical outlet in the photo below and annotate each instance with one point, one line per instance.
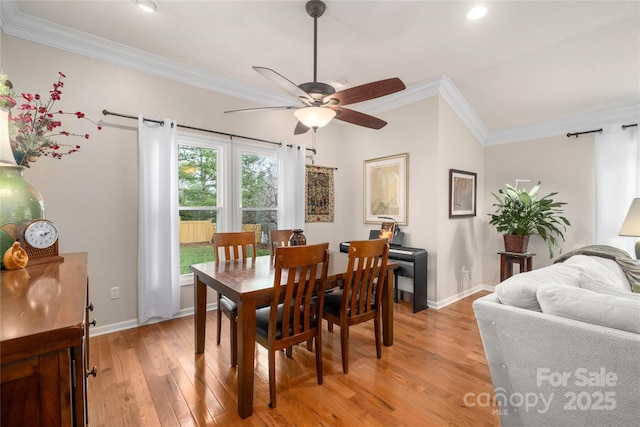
(115, 293)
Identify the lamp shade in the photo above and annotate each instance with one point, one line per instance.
(631, 224)
(314, 117)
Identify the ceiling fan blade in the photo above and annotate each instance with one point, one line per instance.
(358, 118)
(284, 83)
(366, 92)
(245, 110)
(300, 129)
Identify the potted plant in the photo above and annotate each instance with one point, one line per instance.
(521, 213)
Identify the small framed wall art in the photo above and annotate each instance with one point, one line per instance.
(462, 193)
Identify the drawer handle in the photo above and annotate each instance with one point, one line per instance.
(93, 322)
(90, 306)
(93, 372)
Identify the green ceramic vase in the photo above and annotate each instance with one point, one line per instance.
(19, 202)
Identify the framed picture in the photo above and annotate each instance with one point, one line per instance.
(385, 189)
(462, 193)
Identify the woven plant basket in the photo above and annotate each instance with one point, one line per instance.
(516, 244)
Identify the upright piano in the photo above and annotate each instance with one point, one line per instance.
(412, 263)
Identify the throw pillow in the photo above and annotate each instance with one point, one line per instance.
(586, 306)
(520, 289)
(598, 269)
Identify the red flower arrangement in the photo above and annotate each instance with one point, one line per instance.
(36, 125)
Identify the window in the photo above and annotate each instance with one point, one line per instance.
(224, 187)
(258, 195)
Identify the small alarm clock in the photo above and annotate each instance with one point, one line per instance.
(39, 238)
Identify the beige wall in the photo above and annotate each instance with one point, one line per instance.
(563, 165)
(459, 251)
(92, 195)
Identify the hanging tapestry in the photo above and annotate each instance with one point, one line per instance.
(320, 195)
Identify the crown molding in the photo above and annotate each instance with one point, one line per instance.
(578, 123)
(17, 24)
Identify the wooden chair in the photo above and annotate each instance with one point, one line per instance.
(291, 319)
(360, 298)
(232, 246)
(278, 238)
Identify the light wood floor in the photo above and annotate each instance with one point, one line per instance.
(150, 376)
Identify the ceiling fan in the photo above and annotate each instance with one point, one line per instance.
(320, 102)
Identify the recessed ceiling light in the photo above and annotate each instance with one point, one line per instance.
(341, 82)
(147, 5)
(476, 13)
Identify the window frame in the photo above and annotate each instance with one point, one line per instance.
(229, 181)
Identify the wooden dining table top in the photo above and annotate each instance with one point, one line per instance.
(250, 277)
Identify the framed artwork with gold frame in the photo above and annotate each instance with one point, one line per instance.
(385, 189)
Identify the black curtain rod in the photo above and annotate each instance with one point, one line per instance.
(230, 135)
(624, 127)
(577, 134)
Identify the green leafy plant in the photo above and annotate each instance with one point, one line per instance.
(522, 213)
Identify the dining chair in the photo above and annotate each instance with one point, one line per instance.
(291, 319)
(360, 298)
(232, 246)
(278, 238)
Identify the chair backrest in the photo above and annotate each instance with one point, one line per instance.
(302, 270)
(234, 245)
(278, 238)
(366, 275)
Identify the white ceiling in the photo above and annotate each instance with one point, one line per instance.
(526, 63)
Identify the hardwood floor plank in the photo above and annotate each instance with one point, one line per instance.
(150, 376)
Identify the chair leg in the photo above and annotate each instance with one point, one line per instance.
(234, 341)
(344, 346)
(289, 351)
(310, 345)
(329, 326)
(319, 356)
(376, 329)
(272, 378)
(219, 325)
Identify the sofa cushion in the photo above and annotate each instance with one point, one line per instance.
(615, 312)
(604, 271)
(520, 290)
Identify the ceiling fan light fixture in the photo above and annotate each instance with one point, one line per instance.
(314, 117)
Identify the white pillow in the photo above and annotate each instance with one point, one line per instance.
(591, 307)
(599, 270)
(520, 289)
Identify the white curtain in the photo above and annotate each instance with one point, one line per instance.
(291, 186)
(158, 238)
(617, 158)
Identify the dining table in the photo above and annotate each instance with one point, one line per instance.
(249, 283)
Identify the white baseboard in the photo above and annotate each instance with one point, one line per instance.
(129, 324)
(455, 298)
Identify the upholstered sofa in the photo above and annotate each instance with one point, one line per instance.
(563, 342)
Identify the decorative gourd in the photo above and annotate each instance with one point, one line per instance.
(15, 257)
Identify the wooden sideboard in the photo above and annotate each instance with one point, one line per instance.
(44, 344)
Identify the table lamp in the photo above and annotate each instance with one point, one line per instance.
(631, 224)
